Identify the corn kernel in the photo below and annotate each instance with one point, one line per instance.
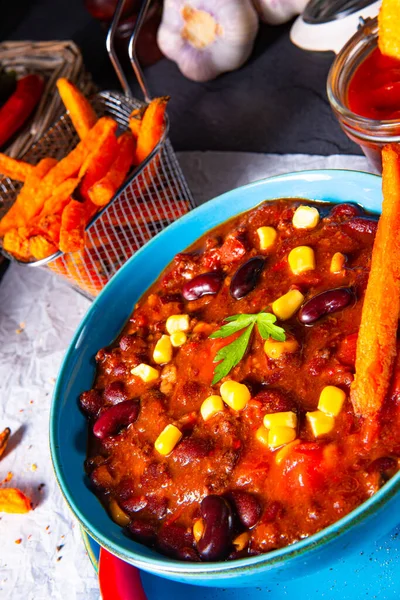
(167, 440)
(145, 372)
(279, 436)
(274, 349)
(241, 541)
(162, 353)
(262, 435)
(331, 400)
(320, 423)
(280, 419)
(286, 306)
(305, 217)
(284, 452)
(177, 323)
(211, 406)
(117, 514)
(198, 529)
(267, 237)
(337, 262)
(234, 394)
(301, 259)
(178, 339)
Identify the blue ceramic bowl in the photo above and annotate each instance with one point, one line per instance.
(104, 321)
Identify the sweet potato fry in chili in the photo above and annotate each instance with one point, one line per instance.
(14, 501)
(13, 168)
(102, 191)
(376, 344)
(152, 128)
(28, 202)
(389, 28)
(73, 222)
(81, 112)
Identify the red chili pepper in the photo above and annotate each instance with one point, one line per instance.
(20, 105)
(118, 580)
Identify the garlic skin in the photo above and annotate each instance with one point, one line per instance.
(207, 37)
(276, 12)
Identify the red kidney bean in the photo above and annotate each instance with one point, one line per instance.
(247, 506)
(115, 418)
(115, 392)
(120, 370)
(343, 211)
(189, 554)
(216, 542)
(174, 539)
(273, 511)
(275, 401)
(202, 285)
(144, 532)
(383, 464)
(360, 227)
(133, 503)
(246, 277)
(325, 303)
(91, 402)
(157, 506)
(191, 449)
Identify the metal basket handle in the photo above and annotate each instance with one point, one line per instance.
(131, 49)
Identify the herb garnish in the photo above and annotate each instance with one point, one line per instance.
(231, 354)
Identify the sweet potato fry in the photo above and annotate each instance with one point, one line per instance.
(17, 244)
(152, 128)
(102, 191)
(50, 226)
(389, 28)
(135, 120)
(14, 169)
(40, 247)
(99, 161)
(14, 501)
(376, 345)
(81, 112)
(73, 222)
(60, 197)
(27, 203)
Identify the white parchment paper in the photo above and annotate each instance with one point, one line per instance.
(41, 553)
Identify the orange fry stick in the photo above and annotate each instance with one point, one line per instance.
(17, 244)
(102, 192)
(135, 120)
(99, 161)
(14, 501)
(152, 128)
(27, 203)
(73, 222)
(14, 169)
(389, 28)
(79, 108)
(376, 345)
(50, 226)
(60, 197)
(40, 247)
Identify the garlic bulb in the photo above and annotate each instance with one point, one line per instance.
(276, 12)
(207, 37)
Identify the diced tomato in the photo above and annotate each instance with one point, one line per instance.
(304, 469)
(233, 249)
(347, 350)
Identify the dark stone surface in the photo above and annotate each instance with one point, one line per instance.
(275, 103)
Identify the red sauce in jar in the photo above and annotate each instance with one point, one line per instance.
(374, 90)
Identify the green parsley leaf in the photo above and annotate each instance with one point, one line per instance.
(231, 354)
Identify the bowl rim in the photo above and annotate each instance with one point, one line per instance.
(271, 559)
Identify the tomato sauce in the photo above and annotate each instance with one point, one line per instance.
(221, 493)
(374, 90)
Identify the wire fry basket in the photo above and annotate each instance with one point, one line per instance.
(154, 195)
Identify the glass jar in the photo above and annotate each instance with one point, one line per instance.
(370, 134)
